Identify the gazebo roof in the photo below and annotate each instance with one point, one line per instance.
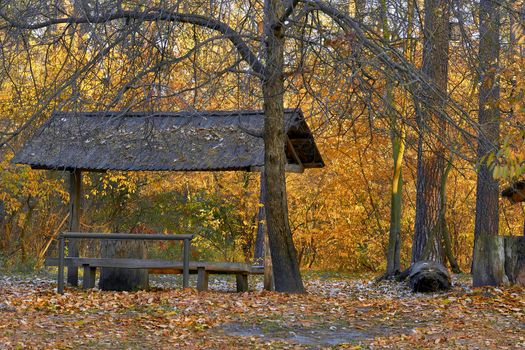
(515, 192)
(182, 141)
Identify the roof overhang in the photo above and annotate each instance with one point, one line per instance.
(164, 141)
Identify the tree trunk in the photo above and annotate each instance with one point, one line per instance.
(120, 279)
(360, 10)
(398, 146)
(428, 237)
(487, 189)
(443, 222)
(286, 271)
(3, 235)
(488, 262)
(393, 266)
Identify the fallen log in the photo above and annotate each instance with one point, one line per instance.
(428, 277)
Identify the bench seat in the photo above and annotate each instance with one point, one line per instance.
(201, 268)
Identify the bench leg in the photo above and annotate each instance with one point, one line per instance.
(89, 277)
(202, 279)
(242, 282)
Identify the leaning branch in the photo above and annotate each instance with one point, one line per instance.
(150, 16)
(410, 77)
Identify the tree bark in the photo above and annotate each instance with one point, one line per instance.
(360, 10)
(515, 259)
(120, 279)
(393, 266)
(428, 237)
(443, 223)
(287, 275)
(429, 276)
(487, 188)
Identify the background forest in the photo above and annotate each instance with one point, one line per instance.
(357, 107)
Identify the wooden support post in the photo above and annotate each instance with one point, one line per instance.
(186, 265)
(202, 279)
(258, 252)
(89, 277)
(269, 283)
(75, 195)
(242, 282)
(61, 248)
(262, 245)
(262, 230)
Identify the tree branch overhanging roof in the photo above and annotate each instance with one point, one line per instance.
(181, 141)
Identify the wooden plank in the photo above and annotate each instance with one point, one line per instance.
(75, 195)
(186, 264)
(60, 264)
(130, 236)
(242, 282)
(256, 270)
(89, 277)
(289, 168)
(210, 267)
(166, 271)
(202, 279)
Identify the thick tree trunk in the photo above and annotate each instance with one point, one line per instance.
(123, 279)
(428, 237)
(487, 189)
(488, 262)
(428, 241)
(286, 271)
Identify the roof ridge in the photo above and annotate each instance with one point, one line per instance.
(182, 113)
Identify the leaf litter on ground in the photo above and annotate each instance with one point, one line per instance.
(340, 312)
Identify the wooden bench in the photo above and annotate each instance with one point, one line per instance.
(90, 268)
(201, 268)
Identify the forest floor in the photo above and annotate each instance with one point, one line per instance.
(338, 312)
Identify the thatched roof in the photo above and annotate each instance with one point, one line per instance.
(183, 141)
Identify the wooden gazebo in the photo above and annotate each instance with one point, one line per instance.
(160, 141)
(515, 193)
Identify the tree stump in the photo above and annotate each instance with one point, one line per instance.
(121, 279)
(488, 264)
(515, 259)
(428, 277)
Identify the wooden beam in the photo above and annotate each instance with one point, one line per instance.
(291, 149)
(294, 168)
(75, 195)
(262, 246)
(289, 168)
(258, 252)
